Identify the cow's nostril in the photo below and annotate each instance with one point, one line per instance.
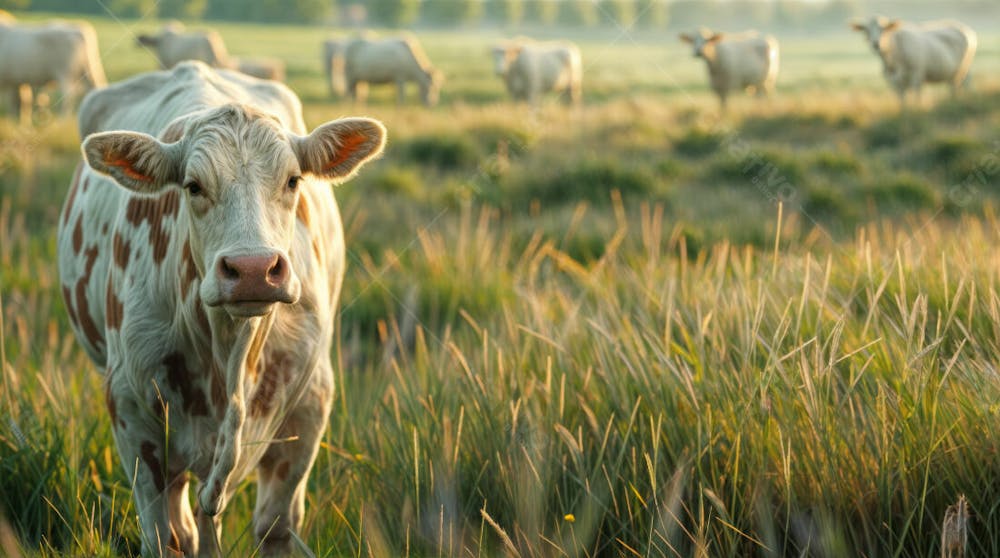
(227, 271)
(277, 271)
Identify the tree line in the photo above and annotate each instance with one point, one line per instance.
(403, 13)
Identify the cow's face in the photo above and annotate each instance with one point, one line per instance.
(701, 42)
(241, 173)
(502, 56)
(875, 30)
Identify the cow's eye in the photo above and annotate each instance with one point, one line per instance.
(193, 188)
(293, 182)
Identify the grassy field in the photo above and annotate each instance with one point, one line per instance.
(636, 328)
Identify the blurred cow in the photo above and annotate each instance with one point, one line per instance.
(60, 52)
(743, 61)
(395, 60)
(530, 69)
(174, 44)
(261, 67)
(914, 54)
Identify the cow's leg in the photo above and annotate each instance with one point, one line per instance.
(181, 518)
(401, 92)
(142, 459)
(209, 534)
(284, 468)
(23, 103)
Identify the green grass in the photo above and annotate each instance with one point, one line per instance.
(592, 332)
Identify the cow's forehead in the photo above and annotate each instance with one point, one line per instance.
(237, 137)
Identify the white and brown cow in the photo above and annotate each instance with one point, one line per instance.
(201, 257)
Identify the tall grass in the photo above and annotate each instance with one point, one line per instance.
(832, 401)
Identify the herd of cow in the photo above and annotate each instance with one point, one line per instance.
(66, 53)
(201, 251)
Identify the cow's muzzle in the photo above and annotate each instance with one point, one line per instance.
(252, 284)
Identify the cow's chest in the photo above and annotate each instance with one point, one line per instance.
(195, 394)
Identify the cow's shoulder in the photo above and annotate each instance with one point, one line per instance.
(100, 106)
(149, 101)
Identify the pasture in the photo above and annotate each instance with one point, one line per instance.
(635, 328)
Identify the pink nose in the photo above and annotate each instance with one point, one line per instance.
(254, 278)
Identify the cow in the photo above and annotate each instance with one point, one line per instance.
(201, 256)
(174, 44)
(393, 60)
(60, 52)
(914, 54)
(531, 68)
(740, 61)
(261, 67)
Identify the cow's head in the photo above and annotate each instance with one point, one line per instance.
(875, 30)
(430, 86)
(242, 174)
(503, 55)
(702, 41)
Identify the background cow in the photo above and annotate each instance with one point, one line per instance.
(914, 54)
(201, 257)
(398, 60)
(174, 44)
(60, 52)
(531, 68)
(736, 61)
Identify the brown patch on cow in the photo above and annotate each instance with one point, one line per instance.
(154, 211)
(86, 321)
(189, 272)
(68, 300)
(302, 210)
(114, 310)
(78, 234)
(110, 400)
(71, 195)
(148, 450)
(267, 386)
(180, 380)
(347, 148)
(122, 250)
(282, 471)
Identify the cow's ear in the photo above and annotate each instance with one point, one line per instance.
(338, 148)
(686, 38)
(135, 160)
(858, 26)
(892, 25)
(716, 37)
